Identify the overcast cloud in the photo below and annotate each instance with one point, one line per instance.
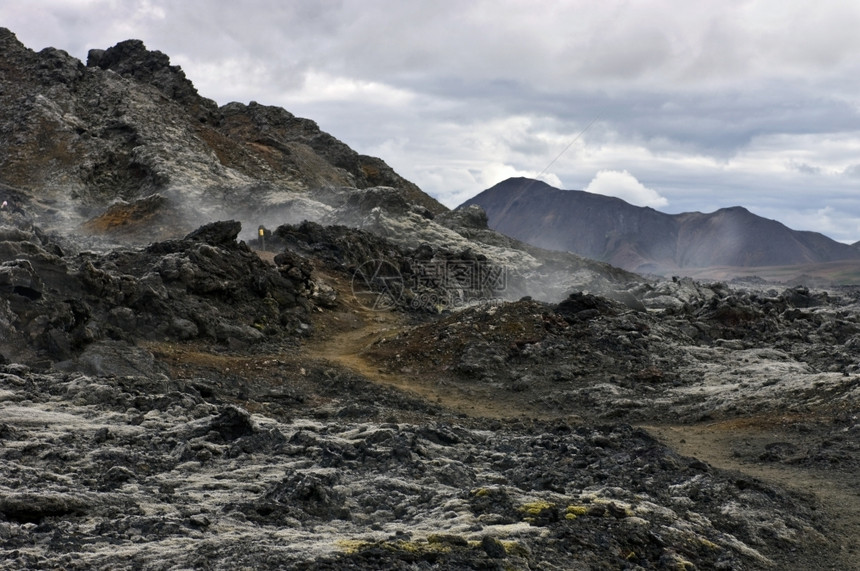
(676, 105)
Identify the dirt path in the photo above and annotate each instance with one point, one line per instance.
(722, 444)
(344, 347)
(348, 335)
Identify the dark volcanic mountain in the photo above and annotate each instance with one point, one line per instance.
(643, 239)
(76, 138)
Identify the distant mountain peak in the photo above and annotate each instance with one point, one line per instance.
(734, 210)
(643, 239)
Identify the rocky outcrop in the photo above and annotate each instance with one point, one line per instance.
(276, 145)
(131, 59)
(206, 286)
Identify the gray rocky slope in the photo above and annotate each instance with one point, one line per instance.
(188, 402)
(128, 124)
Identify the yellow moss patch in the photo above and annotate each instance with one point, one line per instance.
(535, 508)
(352, 545)
(418, 547)
(575, 511)
(514, 548)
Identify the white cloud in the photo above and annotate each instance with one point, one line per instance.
(624, 185)
(321, 86)
(840, 224)
(249, 80)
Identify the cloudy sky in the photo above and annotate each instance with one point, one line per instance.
(678, 105)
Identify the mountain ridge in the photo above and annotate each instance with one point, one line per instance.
(642, 239)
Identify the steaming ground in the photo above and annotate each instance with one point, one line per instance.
(382, 211)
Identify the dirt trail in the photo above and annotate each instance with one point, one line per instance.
(722, 444)
(344, 347)
(350, 334)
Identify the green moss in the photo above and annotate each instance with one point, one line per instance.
(480, 492)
